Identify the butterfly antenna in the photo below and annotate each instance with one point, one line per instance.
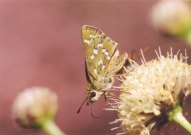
(78, 111)
(93, 116)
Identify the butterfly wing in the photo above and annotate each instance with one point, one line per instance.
(116, 63)
(99, 50)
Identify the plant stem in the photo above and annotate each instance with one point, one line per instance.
(51, 128)
(187, 37)
(177, 116)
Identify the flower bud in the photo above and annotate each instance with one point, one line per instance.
(172, 17)
(34, 106)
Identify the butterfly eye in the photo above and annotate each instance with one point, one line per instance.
(92, 94)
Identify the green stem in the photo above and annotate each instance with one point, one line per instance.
(51, 128)
(177, 116)
(187, 37)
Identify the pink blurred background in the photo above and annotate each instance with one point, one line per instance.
(40, 45)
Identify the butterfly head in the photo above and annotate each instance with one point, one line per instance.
(93, 95)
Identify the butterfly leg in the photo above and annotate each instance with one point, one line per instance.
(105, 96)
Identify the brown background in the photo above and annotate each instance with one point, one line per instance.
(40, 45)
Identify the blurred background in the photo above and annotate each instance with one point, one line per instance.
(40, 45)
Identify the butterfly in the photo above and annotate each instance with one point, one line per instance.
(102, 62)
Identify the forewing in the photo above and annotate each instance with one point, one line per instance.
(99, 50)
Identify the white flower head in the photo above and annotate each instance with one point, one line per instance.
(33, 106)
(171, 17)
(150, 91)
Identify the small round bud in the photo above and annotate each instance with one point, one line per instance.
(171, 17)
(34, 106)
